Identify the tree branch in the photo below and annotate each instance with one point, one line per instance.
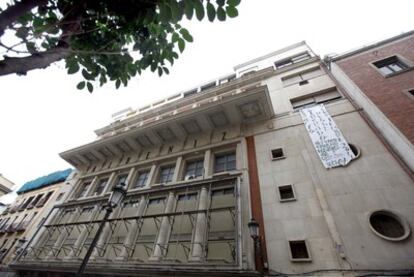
(13, 12)
(37, 60)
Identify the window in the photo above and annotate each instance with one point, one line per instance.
(390, 66)
(410, 93)
(48, 195)
(389, 226)
(142, 179)
(154, 201)
(320, 98)
(121, 179)
(225, 162)
(131, 204)
(166, 174)
(83, 189)
(302, 77)
(299, 251)
(100, 187)
(194, 169)
(277, 154)
(26, 203)
(60, 196)
(35, 201)
(292, 60)
(286, 193)
(355, 150)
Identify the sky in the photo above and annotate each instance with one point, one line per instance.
(43, 114)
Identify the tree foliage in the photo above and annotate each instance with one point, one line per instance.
(106, 40)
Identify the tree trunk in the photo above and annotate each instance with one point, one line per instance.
(36, 60)
(13, 12)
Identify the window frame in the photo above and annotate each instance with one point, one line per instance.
(137, 178)
(286, 199)
(292, 259)
(196, 162)
(224, 154)
(171, 169)
(385, 62)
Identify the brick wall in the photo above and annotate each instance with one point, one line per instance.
(387, 93)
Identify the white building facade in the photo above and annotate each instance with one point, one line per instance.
(200, 164)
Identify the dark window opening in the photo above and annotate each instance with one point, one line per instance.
(60, 196)
(387, 225)
(411, 92)
(299, 250)
(286, 192)
(354, 149)
(277, 153)
(304, 82)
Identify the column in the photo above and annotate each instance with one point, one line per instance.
(61, 238)
(164, 231)
(152, 175)
(130, 178)
(196, 254)
(82, 236)
(111, 181)
(177, 169)
(208, 164)
(105, 235)
(134, 231)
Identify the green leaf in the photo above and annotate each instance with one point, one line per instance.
(87, 75)
(72, 69)
(211, 12)
(186, 35)
(175, 37)
(220, 2)
(165, 13)
(37, 22)
(232, 11)
(233, 3)
(117, 84)
(188, 9)
(175, 10)
(90, 87)
(221, 14)
(181, 45)
(159, 71)
(199, 8)
(166, 70)
(81, 85)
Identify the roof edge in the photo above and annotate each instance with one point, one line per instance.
(370, 46)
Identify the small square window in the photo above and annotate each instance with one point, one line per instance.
(277, 154)
(304, 82)
(299, 251)
(410, 93)
(142, 179)
(286, 193)
(166, 174)
(390, 66)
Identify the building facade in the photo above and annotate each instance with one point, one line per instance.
(34, 202)
(200, 164)
(380, 78)
(5, 185)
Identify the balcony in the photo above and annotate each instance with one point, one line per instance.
(22, 226)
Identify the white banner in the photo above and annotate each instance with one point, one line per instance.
(326, 137)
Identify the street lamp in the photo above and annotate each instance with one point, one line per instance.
(117, 195)
(254, 233)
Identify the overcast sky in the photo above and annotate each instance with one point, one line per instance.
(43, 114)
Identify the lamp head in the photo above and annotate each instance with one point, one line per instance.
(253, 229)
(117, 195)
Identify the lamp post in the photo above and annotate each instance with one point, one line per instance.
(117, 195)
(254, 234)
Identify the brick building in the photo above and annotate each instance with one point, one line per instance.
(380, 78)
